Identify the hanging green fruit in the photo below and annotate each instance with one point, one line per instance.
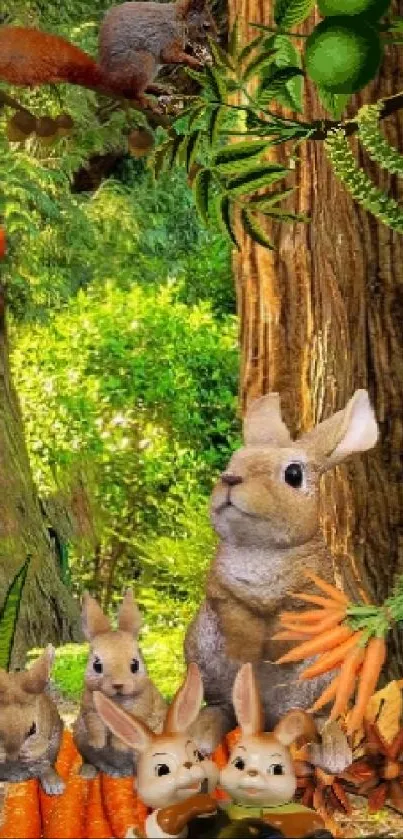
(372, 9)
(343, 54)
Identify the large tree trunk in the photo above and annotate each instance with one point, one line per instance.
(321, 316)
(48, 613)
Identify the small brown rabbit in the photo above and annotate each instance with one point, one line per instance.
(30, 726)
(265, 508)
(115, 667)
(172, 777)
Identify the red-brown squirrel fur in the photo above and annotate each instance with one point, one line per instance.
(136, 38)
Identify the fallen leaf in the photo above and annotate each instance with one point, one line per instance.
(386, 707)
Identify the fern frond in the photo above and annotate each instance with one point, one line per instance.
(360, 186)
(374, 142)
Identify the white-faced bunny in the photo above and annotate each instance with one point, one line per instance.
(260, 776)
(172, 776)
(30, 726)
(265, 508)
(115, 667)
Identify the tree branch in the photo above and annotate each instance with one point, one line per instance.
(390, 106)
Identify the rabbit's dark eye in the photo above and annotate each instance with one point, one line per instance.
(32, 730)
(276, 769)
(294, 475)
(97, 665)
(239, 763)
(198, 756)
(162, 769)
(134, 665)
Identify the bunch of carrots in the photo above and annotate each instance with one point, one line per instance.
(98, 809)
(324, 631)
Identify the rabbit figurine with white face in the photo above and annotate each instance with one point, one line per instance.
(30, 726)
(173, 778)
(260, 776)
(265, 508)
(115, 667)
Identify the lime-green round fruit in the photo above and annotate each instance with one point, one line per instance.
(343, 54)
(371, 9)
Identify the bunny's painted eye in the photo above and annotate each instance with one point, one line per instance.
(32, 730)
(294, 475)
(198, 756)
(134, 665)
(97, 665)
(162, 769)
(239, 763)
(276, 769)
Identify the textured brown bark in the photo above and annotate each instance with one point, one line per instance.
(48, 613)
(321, 316)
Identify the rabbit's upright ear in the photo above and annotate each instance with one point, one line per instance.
(263, 425)
(246, 701)
(295, 724)
(94, 621)
(186, 704)
(354, 429)
(129, 617)
(132, 731)
(37, 677)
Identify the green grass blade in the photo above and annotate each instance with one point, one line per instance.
(9, 614)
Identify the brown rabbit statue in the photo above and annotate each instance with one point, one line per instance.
(173, 778)
(115, 667)
(265, 509)
(30, 726)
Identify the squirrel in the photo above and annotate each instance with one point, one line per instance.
(135, 40)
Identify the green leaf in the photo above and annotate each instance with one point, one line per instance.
(233, 41)
(224, 212)
(215, 83)
(288, 56)
(246, 51)
(288, 13)
(254, 229)
(264, 202)
(256, 178)
(222, 58)
(274, 85)
(258, 64)
(191, 148)
(233, 158)
(335, 103)
(176, 148)
(214, 122)
(201, 188)
(196, 114)
(9, 615)
(159, 158)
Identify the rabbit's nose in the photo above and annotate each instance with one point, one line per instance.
(188, 765)
(252, 773)
(118, 687)
(230, 479)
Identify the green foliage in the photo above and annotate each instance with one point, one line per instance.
(9, 614)
(292, 12)
(374, 141)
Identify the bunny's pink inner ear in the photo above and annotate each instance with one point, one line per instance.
(132, 731)
(263, 425)
(295, 724)
(129, 619)
(37, 677)
(247, 702)
(186, 704)
(94, 621)
(354, 429)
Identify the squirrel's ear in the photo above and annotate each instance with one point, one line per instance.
(129, 617)
(134, 732)
(186, 704)
(246, 701)
(37, 677)
(94, 621)
(263, 425)
(295, 724)
(354, 429)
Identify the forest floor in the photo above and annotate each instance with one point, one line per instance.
(387, 823)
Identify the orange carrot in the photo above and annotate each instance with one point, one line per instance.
(306, 616)
(333, 592)
(21, 814)
(328, 622)
(326, 696)
(97, 825)
(220, 756)
(348, 676)
(330, 660)
(67, 754)
(289, 635)
(315, 598)
(67, 818)
(333, 638)
(141, 814)
(232, 738)
(374, 660)
(120, 803)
